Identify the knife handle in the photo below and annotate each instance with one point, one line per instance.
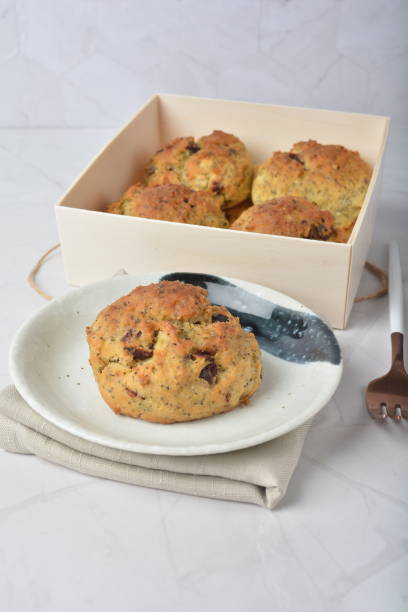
(396, 294)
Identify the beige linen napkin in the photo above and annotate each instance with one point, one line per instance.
(258, 475)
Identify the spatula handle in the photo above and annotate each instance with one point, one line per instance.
(396, 295)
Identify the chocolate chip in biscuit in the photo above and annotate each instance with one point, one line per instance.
(219, 318)
(139, 353)
(128, 336)
(209, 372)
(193, 147)
(296, 158)
(217, 187)
(130, 392)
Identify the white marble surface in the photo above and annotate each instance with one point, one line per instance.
(71, 73)
(93, 63)
(67, 541)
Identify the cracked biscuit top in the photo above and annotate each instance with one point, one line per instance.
(170, 203)
(218, 163)
(333, 177)
(163, 353)
(287, 217)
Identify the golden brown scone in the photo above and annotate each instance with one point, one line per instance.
(121, 205)
(170, 203)
(163, 353)
(232, 214)
(287, 217)
(218, 163)
(341, 234)
(333, 177)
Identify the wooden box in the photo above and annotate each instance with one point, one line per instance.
(322, 275)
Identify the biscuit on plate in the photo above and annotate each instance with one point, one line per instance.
(287, 217)
(163, 353)
(170, 203)
(333, 177)
(218, 163)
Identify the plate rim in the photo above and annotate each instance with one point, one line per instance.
(25, 389)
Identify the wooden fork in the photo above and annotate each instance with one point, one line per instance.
(388, 395)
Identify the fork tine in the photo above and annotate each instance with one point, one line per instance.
(377, 411)
(388, 394)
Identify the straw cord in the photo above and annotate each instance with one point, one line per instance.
(380, 274)
(382, 277)
(37, 267)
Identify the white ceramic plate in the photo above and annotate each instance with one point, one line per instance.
(49, 366)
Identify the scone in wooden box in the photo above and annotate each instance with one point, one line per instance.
(322, 275)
